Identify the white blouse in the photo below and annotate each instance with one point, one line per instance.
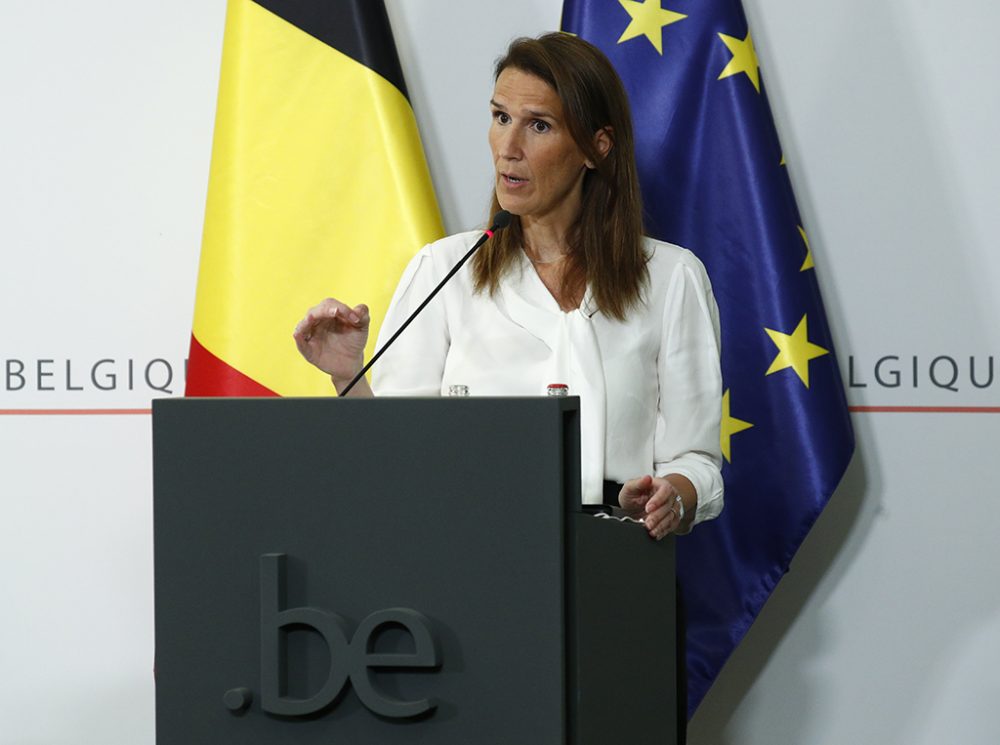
(650, 387)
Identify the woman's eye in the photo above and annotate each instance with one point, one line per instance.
(501, 117)
(540, 126)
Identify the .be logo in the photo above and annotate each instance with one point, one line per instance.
(350, 655)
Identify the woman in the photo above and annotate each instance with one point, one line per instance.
(570, 293)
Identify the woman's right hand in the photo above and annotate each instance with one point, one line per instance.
(332, 337)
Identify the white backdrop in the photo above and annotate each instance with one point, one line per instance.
(888, 627)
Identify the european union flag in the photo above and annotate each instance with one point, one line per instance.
(714, 180)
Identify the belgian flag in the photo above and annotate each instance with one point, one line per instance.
(318, 187)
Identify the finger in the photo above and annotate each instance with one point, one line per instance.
(666, 494)
(362, 313)
(635, 488)
(653, 519)
(323, 319)
(303, 334)
(331, 318)
(335, 311)
(317, 316)
(307, 321)
(662, 494)
(331, 308)
(635, 502)
(304, 328)
(663, 530)
(661, 523)
(662, 513)
(670, 524)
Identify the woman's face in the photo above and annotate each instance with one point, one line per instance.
(539, 168)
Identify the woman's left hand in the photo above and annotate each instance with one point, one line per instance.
(653, 500)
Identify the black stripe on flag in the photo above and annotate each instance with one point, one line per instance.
(358, 28)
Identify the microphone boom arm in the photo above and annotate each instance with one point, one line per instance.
(500, 220)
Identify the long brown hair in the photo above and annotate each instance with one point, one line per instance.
(606, 241)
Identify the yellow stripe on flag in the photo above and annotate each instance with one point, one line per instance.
(318, 187)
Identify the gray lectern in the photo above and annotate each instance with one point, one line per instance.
(399, 571)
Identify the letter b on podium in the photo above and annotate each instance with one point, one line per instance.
(350, 656)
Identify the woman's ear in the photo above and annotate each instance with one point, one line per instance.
(603, 143)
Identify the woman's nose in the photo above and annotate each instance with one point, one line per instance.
(509, 144)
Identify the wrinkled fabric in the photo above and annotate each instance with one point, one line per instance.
(649, 387)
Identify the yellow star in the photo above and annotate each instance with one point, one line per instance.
(730, 426)
(808, 263)
(794, 351)
(648, 19)
(744, 59)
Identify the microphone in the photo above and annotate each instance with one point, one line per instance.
(500, 221)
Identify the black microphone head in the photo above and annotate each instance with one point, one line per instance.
(501, 220)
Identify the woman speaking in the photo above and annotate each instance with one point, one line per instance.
(570, 293)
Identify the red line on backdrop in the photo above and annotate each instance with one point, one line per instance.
(74, 412)
(925, 409)
(854, 409)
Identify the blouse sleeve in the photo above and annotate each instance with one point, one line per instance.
(414, 364)
(690, 381)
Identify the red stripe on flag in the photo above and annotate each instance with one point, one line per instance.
(926, 409)
(209, 376)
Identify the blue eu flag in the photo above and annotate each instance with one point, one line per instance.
(714, 180)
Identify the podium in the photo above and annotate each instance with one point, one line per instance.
(387, 571)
